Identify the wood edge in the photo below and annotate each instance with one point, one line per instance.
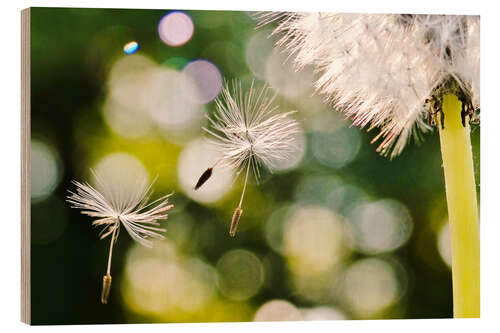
(25, 167)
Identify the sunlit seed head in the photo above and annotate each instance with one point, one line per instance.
(249, 134)
(381, 69)
(120, 196)
(248, 130)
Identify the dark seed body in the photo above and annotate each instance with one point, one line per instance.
(234, 221)
(203, 178)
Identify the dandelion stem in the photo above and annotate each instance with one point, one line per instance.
(462, 209)
(106, 280)
(108, 272)
(244, 185)
(238, 211)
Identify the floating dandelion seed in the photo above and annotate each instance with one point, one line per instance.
(386, 70)
(250, 134)
(115, 204)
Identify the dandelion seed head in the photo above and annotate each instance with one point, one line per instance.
(121, 198)
(381, 69)
(249, 133)
(248, 130)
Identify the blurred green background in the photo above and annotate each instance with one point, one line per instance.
(339, 233)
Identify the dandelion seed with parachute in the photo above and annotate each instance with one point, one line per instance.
(250, 133)
(115, 203)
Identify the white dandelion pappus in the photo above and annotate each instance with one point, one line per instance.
(383, 70)
(250, 134)
(115, 203)
(114, 206)
(248, 130)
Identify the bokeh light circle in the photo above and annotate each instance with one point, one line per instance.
(343, 198)
(207, 78)
(173, 100)
(258, 49)
(322, 313)
(337, 148)
(444, 243)
(142, 93)
(370, 286)
(45, 170)
(131, 47)
(313, 240)
(130, 83)
(123, 173)
(277, 310)
(240, 274)
(274, 226)
(161, 281)
(294, 159)
(285, 80)
(175, 28)
(380, 226)
(194, 159)
(127, 122)
(313, 189)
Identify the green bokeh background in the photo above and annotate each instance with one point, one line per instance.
(72, 52)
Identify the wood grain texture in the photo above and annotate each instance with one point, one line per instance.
(25, 168)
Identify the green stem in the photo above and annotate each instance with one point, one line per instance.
(462, 209)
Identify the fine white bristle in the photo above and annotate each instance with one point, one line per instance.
(381, 68)
(115, 204)
(248, 130)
